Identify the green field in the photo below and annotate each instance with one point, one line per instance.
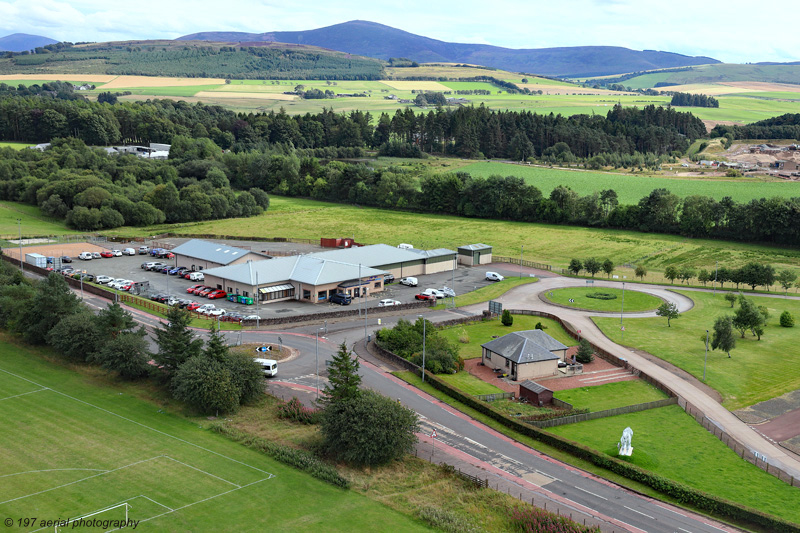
(33, 221)
(634, 300)
(611, 395)
(15, 146)
(632, 188)
(71, 448)
(756, 371)
(481, 332)
(669, 442)
(470, 384)
(555, 245)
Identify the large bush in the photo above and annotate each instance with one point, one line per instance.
(787, 320)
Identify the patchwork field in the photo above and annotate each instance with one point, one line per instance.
(71, 449)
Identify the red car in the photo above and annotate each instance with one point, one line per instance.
(192, 306)
(106, 254)
(126, 287)
(193, 287)
(217, 294)
(200, 289)
(424, 296)
(206, 291)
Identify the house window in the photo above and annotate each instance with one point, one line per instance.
(245, 294)
(508, 363)
(488, 355)
(377, 284)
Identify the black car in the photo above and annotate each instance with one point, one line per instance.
(66, 259)
(388, 278)
(340, 298)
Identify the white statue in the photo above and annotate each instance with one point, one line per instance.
(624, 445)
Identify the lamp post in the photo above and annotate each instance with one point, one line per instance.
(622, 312)
(706, 360)
(423, 346)
(19, 225)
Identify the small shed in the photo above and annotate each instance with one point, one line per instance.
(535, 394)
(475, 254)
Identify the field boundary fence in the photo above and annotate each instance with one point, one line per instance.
(572, 419)
(525, 263)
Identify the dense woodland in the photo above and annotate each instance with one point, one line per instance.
(693, 100)
(277, 153)
(783, 127)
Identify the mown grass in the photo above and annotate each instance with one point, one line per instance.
(484, 331)
(634, 300)
(671, 443)
(470, 384)
(484, 294)
(632, 187)
(33, 221)
(14, 145)
(756, 371)
(100, 444)
(611, 395)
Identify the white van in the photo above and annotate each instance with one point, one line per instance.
(268, 366)
(494, 276)
(196, 276)
(128, 251)
(409, 281)
(86, 256)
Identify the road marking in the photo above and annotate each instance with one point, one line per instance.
(592, 493)
(641, 513)
(686, 530)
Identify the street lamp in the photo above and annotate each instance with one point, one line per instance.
(423, 346)
(706, 360)
(622, 312)
(21, 264)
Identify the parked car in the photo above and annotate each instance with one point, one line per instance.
(66, 259)
(251, 317)
(217, 294)
(196, 276)
(128, 251)
(155, 251)
(183, 304)
(173, 271)
(96, 255)
(116, 253)
(388, 303)
(159, 297)
(165, 254)
(423, 296)
(155, 266)
(85, 256)
(434, 292)
(340, 298)
(144, 250)
(217, 312)
(165, 269)
(106, 254)
(388, 278)
(205, 292)
(202, 288)
(494, 276)
(409, 281)
(193, 287)
(205, 308)
(192, 306)
(67, 271)
(126, 285)
(448, 291)
(102, 280)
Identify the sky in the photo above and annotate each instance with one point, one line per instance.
(733, 31)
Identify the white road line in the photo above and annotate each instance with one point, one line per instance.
(641, 513)
(592, 493)
(686, 530)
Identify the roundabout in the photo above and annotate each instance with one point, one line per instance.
(602, 299)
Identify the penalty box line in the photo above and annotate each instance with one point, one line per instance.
(269, 475)
(23, 394)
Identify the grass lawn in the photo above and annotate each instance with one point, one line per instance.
(33, 221)
(480, 332)
(611, 395)
(15, 146)
(489, 292)
(634, 300)
(72, 447)
(756, 371)
(555, 245)
(669, 442)
(470, 384)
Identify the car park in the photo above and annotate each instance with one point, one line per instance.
(85, 256)
(196, 276)
(96, 255)
(340, 298)
(155, 266)
(217, 312)
(205, 292)
(423, 296)
(494, 276)
(409, 282)
(128, 251)
(388, 278)
(173, 271)
(66, 259)
(194, 306)
(183, 304)
(205, 308)
(106, 254)
(434, 292)
(116, 253)
(193, 287)
(102, 280)
(144, 250)
(388, 303)
(217, 294)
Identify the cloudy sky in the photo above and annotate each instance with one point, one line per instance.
(733, 31)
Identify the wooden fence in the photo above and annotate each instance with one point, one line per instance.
(603, 414)
(525, 263)
(495, 396)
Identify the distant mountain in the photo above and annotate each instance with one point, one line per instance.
(376, 40)
(19, 42)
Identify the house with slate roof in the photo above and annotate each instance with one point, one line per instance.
(524, 354)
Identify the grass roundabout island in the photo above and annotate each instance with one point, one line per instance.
(602, 299)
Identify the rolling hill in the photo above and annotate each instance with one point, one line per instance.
(18, 42)
(786, 73)
(377, 40)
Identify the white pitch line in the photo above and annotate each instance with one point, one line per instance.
(140, 424)
(204, 472)
(54, 470)
(23, 394)
(641, 513)
(592, 493)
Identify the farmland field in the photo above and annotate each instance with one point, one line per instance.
(756, 371)
(632, 188)
(33, 221)
(71, 449)
(14, 145)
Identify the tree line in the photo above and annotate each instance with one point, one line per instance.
(693, 100)
(783, 127)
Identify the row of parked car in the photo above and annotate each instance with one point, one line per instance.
(88, 256)
(203, 309)
(181, 272)
(435, 294)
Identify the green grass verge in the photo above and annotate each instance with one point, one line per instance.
(469, 383)
(611, 395)
(634, 300)
(71, 447)
(489, 292)
(33, 221)
(756, 371)
(478, 333)
(15, 146)
(671, 443)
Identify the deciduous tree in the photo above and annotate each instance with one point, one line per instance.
(669, 311)
(723, 337)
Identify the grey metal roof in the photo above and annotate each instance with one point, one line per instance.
(211, 251)
(534, 387)
(438, 252)
(298, 268)
(525, 346)
(371, 256)
(474, 247)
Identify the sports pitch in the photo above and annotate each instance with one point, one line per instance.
(71, 450)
